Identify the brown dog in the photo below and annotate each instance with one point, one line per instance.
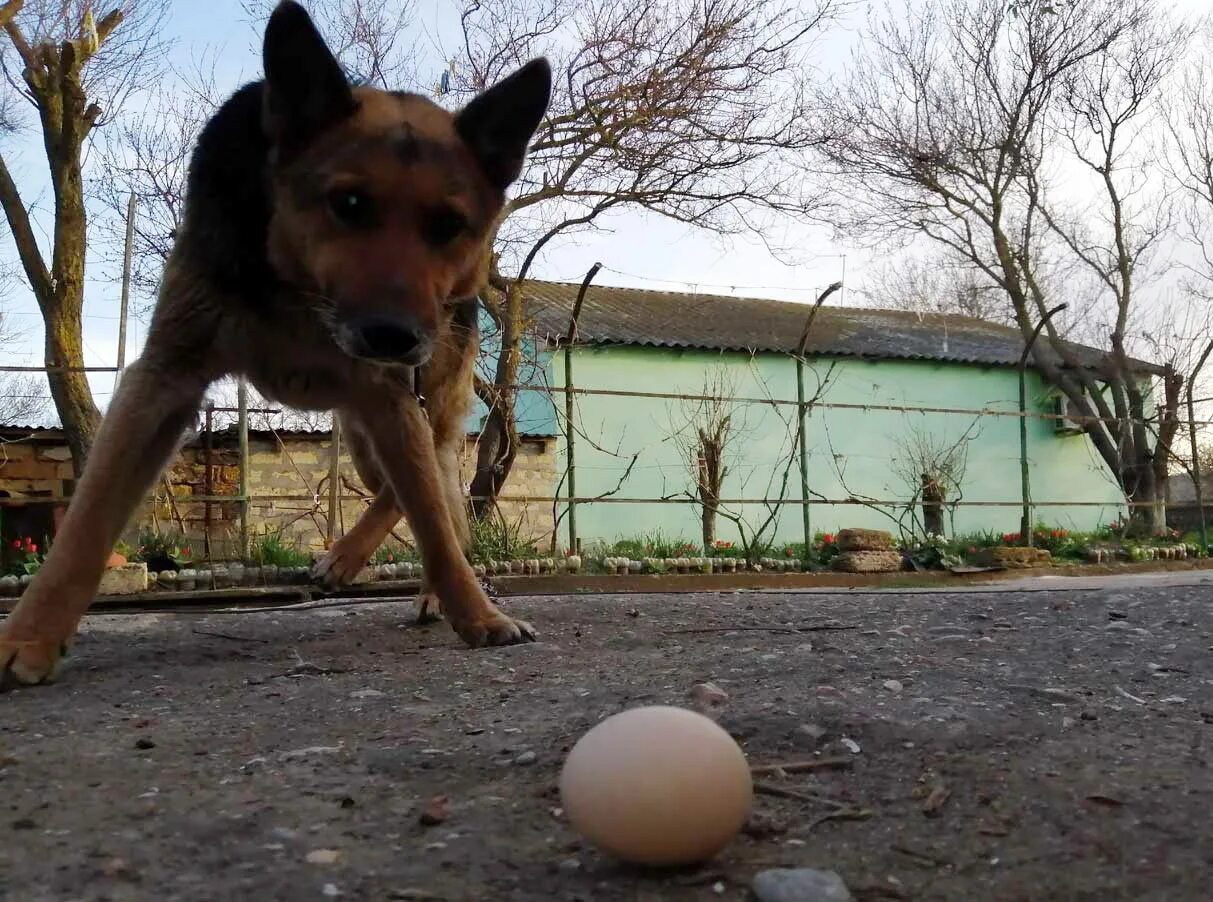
(333, 238)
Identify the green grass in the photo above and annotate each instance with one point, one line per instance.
(271, 550)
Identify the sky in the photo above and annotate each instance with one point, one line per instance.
(636, 249)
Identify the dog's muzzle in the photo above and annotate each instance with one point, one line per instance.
(385, 339)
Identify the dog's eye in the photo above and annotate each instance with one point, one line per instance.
(352, 207)
(443, 225)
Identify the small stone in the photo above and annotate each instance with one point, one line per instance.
(708, 694)
(851, 745)
(323, 856)
(167, 579)
(24, 823)
(144, 744)
(526, 758)
(893, 685)
(952, 637)
(26, 579)
(9, 585)
(811, 731)
(435, 812)
(799, 885)
(569, 866)
(269, 574)
(118, 868)
(367, 693)
(330, 891)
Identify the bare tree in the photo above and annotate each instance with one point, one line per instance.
(965, 121)
(933, 285)
(74, 71)
(1190, 127)
(23, 398)
(146, 153)
(369, 37)
(705, 431)
(931, 468)
(685, 109)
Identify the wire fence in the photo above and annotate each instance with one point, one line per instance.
(818, 453)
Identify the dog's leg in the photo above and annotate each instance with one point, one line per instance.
(351, 551)
(429, 605)
(149, 412)
(404, 447)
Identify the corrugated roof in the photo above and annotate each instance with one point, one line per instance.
(634, 316)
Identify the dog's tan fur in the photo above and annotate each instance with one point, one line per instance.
(406, 153)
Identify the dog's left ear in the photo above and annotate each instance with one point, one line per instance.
(499, 123)
(306, 90)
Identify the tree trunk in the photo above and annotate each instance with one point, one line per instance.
(70, 390)
(62, 313)
(498, 444)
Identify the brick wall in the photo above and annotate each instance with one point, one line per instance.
(288, 484)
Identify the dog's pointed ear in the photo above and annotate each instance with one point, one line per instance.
(305, 87)
(498, 124)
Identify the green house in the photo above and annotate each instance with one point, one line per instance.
(888, 392)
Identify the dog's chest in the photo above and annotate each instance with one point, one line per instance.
(301, 386)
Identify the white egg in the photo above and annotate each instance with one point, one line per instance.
(657, 786)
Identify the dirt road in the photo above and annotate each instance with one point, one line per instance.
(1027, 743)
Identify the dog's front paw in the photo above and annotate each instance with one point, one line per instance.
(494, 628)
(29, 662)
(339, 567)
(429, 609)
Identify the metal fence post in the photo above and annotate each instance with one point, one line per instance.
(242, 431)
(569, 429)
(334, 479)
(1196, 474)
(1025, 486)
(802, 412)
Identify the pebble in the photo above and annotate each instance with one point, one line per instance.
(330, 891)
(893, 685)
(9, 585)
(570, 866)
(851, 745)
(323, 856)
(811, 731)
(526, 758)
(367, 693)
(708, 694)
(945, 630)
(951, 637)
(799, 885)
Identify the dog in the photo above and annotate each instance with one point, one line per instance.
(334, 239)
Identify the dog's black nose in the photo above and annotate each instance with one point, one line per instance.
(390, 338)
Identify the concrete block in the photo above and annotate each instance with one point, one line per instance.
(128, 579)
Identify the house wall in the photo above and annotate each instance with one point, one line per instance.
(852, 453)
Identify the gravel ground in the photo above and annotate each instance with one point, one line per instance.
(1010, 744)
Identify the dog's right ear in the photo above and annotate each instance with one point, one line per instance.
(306, 90)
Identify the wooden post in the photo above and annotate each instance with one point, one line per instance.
(208, 477)
(242, 431)
(334, 481)
(569, 429)
(126, 286)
